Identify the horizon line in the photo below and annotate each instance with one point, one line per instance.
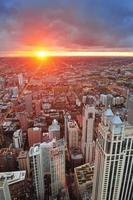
(69, 54)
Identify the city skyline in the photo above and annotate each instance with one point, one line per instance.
(66, 100)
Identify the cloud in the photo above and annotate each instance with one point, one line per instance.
(88, 24)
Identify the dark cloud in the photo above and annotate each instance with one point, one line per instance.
(87, 24)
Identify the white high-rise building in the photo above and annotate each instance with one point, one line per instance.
(67, 117)
(14, 91)
(113, 174)
(48, 159)
(57, 167)
(17, 138)
(54, 129)
(4, 190)
(73, 134)
(20, 79)
(28, 101)
(88, 129)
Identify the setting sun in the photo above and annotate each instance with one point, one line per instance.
(41, 54)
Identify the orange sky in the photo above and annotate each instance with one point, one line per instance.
(68, 53)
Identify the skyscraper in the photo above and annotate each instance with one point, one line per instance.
(4, 190)
(54, 129)
(57, 167)
(20, 79)
(28, 102)
(17, 139)
(48, 159)
(130, 109)
(113, 162)
(88, 127)
(73, 133)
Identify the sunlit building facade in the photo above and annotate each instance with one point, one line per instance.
(48, 160)
(73, 134)
(130, 109)
(113, 161)
(54, 129)
(88, 129)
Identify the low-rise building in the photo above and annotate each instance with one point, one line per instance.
(84, 181)
(23, 162)
(14, 185)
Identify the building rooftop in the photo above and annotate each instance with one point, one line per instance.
(72, 124)
(54, 126)
(76, 153)
(35, 150)
(108, 112)
(13, 177)
(116, 119)
(2, 181)
(17, 133)
(84, 174)
(23, 154)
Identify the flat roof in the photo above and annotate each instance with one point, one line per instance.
(84, 173)
(13, 177)
(23, 154)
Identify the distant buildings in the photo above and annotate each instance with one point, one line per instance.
(67, 117)
(28, 102)
(37, 107)
(22, 117)
(54, 129)
(113, 161)
(34, 136)
(109, 99)
(49, 108)
(15, 92)
(18, 139)
(20, 80)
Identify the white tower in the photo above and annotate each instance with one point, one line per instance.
(20, 79)
(87, 130)
(4, 190)
(73, 134)
(17, 138)
(113, 161)
(54, 128)
(57, 167)
(48, 159)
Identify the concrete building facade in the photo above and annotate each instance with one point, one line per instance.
(113, 161)
(87, 143)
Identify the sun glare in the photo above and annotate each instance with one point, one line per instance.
(41, 54)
